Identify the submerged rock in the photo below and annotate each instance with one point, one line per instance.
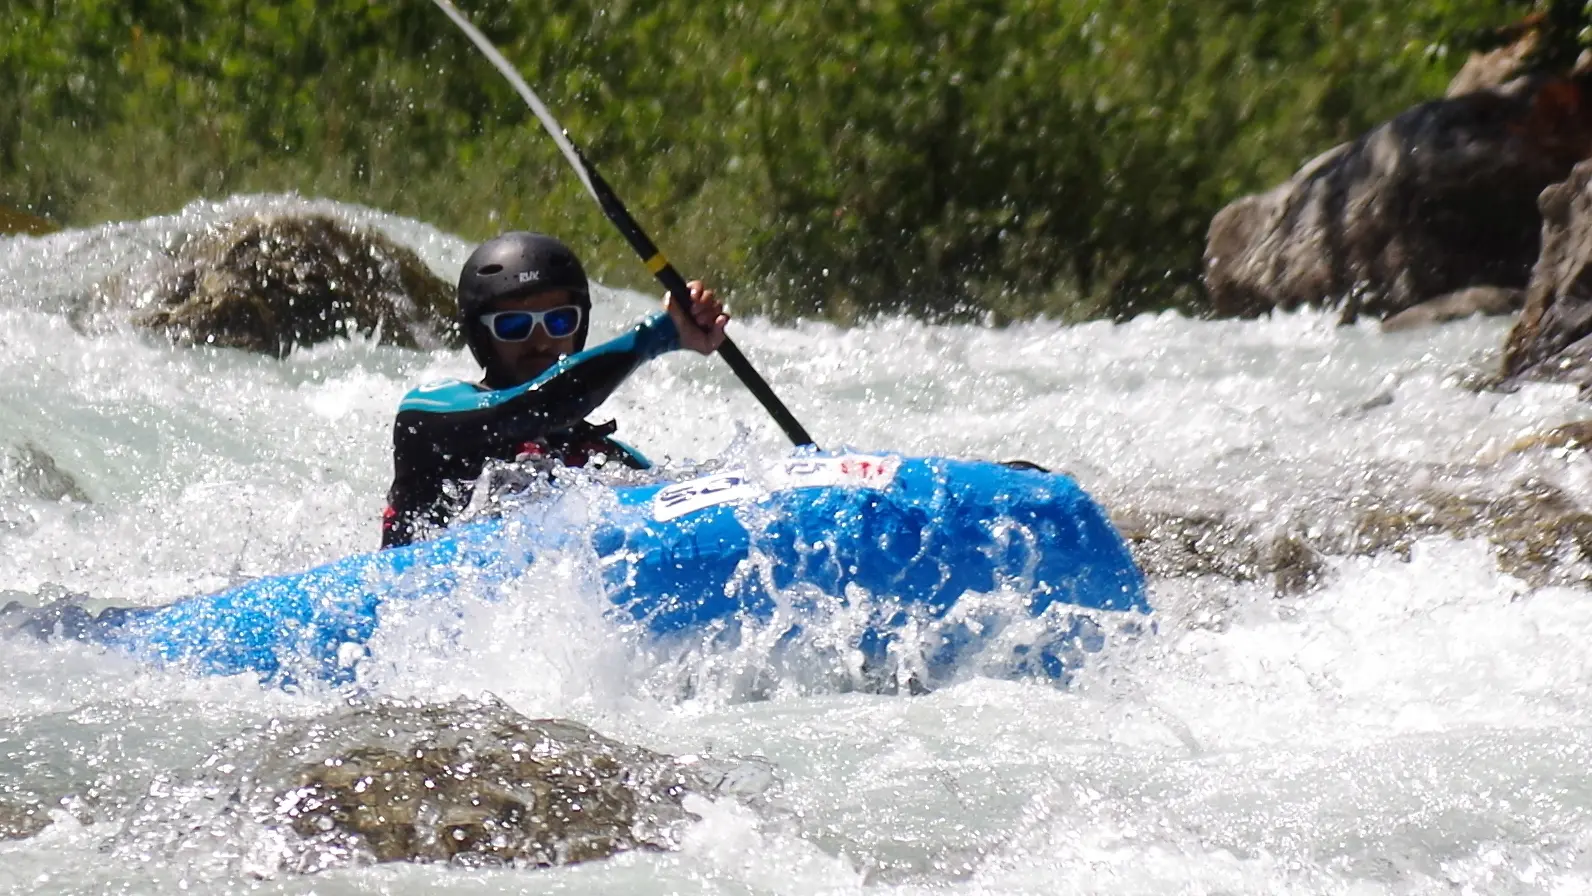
(1441, 198)
(19, 822)
(1569, 436)
(468, 781)
(1553, 339)
(1492, 300)
(28, 474)
(30, 470)
(1169, 543)
(270, 283)
(1538, 532)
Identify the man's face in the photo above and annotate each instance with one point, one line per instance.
(529, 359)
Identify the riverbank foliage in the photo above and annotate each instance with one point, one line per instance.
(998, 157)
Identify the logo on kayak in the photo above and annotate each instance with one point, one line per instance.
(695, 494)
(846, 471)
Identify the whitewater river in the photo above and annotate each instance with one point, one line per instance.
(1416, 723)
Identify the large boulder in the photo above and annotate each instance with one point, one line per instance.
(1437, 200)
(1553, 339)
(270, 283)
(466, 782)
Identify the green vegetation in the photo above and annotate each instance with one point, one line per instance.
(1009, 157)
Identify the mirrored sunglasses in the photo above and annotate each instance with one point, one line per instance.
(517, 326)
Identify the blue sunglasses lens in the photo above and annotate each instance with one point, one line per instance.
(513, 326)
(561, 322)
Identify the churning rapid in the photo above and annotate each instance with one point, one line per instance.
(1408, 709)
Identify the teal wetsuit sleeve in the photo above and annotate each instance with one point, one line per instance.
(647, 340)
(575, 386)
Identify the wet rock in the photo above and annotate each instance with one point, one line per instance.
(1552, 341)
(1575, 436)
(1168, 543)
(19, 822)
(1538, 532)
(30, 470)
(269, 283)
(1382, 399)
(14, 221)
(1491, 300)
(1440, 199)
(467, 782)
(551, 793)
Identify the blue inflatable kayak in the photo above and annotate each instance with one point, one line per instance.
(914, 535)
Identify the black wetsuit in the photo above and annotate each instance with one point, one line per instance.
(446, 432)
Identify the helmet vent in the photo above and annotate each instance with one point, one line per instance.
(488, 270)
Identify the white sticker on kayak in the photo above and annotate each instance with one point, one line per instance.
(694, 494)
(846, 471)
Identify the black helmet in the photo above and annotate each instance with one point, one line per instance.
(512, 266)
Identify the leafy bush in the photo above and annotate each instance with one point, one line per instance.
(942, 157)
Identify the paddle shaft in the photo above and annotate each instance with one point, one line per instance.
(608, 200)
(677, 287)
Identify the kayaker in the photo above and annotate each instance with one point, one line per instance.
(525, 309)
